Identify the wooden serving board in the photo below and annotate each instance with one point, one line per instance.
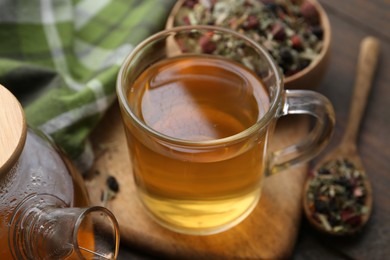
(269, 232)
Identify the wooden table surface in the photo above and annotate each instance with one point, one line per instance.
(351, 21)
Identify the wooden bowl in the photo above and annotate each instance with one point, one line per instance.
(307, 78)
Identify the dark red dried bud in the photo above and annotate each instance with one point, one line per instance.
(296, 42)
(354, 221)
(190, 3)
(186, 20)
(281, 15)
(248, 4)
(207, 45)
(309, 12)
(278, 32)
(182, 45)
(251, 23)
(346, 214)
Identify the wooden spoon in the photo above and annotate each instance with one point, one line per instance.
(340, 177)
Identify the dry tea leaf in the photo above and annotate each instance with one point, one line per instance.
(289, 29)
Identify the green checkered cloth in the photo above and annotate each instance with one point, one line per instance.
(60, 58)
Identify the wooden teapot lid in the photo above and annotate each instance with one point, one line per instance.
(12, 129)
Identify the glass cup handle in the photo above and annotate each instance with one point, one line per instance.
(304, 102)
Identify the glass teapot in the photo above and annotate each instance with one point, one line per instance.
(44, 207)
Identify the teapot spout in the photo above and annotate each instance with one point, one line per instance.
(47, 231)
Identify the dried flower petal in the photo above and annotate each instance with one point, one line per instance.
(296, 42)
(278, 32)
(207, 45)
(309, 12)
(251, 23)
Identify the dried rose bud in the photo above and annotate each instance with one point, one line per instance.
(282, 15)
(346, 214)
(186, 20)
(296, 42)
(207, 45)
(182, 45)
(354, 221)
(248, 4)
(251, 23)
(309, 12)
(190, 3)
(278, 32)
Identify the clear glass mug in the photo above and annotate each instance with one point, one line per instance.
(199, 104)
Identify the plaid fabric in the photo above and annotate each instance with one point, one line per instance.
(60, 58)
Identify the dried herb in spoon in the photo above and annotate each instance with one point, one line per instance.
(338, 193)
(336, 196)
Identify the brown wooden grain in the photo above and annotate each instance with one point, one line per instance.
(372, 16)
(366, 68)
(12, 129)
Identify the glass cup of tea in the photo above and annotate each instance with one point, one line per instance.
(199, 104)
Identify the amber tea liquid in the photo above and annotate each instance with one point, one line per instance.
(193, 188)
